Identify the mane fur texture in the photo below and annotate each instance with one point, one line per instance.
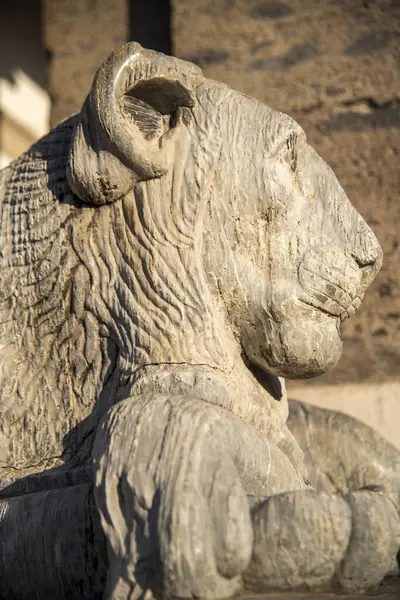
(89, 294)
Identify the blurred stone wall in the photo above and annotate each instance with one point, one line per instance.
(24, 101)
(78, 35)
(334, 65)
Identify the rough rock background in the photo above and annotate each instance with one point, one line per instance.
(334, 65)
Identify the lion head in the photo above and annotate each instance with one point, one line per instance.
(172, 221)
(236, 202)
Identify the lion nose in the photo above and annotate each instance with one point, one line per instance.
(368, 255)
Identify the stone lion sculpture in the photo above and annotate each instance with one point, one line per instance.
(167, 256)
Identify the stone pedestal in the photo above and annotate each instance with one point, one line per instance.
(389, 590)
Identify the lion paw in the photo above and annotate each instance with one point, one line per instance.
(308, 539)
(171, 501)
(374, 541)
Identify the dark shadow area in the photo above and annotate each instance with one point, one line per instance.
(21, 40)
(270, 383)
(150, 24)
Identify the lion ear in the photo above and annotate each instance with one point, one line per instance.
(126, 129)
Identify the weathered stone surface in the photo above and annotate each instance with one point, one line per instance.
(334, 66)
(167, 255)
(343, 454)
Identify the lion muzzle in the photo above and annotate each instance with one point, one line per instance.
(332, 280)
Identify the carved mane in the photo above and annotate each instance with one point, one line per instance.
(88, 294)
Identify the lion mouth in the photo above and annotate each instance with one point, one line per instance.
(335, 289)
(331, 307)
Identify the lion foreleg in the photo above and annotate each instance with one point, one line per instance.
(172, 505)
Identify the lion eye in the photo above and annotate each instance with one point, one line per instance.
(291, 144)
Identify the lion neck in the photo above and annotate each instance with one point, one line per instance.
(167, 322)
(239, 392)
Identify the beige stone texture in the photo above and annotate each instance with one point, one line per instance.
(334, 65)
(14, 139)
(79, 35)
(375, 404)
